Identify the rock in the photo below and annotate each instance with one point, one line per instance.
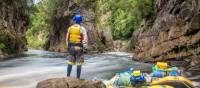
(62, 19)
(195, 22)
(1, 55)
(121, 45)
(69, 83)
(173, 36)
(14, 23)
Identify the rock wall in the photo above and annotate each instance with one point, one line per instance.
(14, 23)
(103, 25)
(62, 19)
(173, 35)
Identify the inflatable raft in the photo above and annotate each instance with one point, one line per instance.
(161, 77)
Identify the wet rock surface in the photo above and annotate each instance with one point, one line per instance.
(69, 83)
(172, 36)
(14, 23)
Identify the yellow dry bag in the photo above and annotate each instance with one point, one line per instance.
(161, 65)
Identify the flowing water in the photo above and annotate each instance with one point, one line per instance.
(38, 65)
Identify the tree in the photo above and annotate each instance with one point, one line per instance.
(40, 19)
(126, 15)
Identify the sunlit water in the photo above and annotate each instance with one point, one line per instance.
(37, 65)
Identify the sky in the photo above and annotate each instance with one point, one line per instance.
(36, 1)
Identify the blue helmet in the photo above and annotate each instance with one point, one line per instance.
(78, 19)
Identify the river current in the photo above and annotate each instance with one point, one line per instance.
(37, 65)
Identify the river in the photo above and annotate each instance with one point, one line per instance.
(37, 65)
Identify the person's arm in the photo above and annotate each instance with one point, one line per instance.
(85, 37)
(67, 37)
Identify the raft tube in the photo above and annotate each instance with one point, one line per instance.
(176, 82)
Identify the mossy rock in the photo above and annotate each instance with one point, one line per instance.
(10, 41)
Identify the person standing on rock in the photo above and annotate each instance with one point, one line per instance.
(76, 40)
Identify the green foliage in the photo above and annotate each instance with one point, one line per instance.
(40, 20)
(126, 15)
(9, 43)
(2, 46)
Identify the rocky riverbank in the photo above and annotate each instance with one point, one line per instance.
(14, 23)
(172, 35)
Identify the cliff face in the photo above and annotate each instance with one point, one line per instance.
(62, 19)
(14, 23)
(173, 35)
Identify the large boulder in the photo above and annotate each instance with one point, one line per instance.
(69, 83)
(173, 35)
